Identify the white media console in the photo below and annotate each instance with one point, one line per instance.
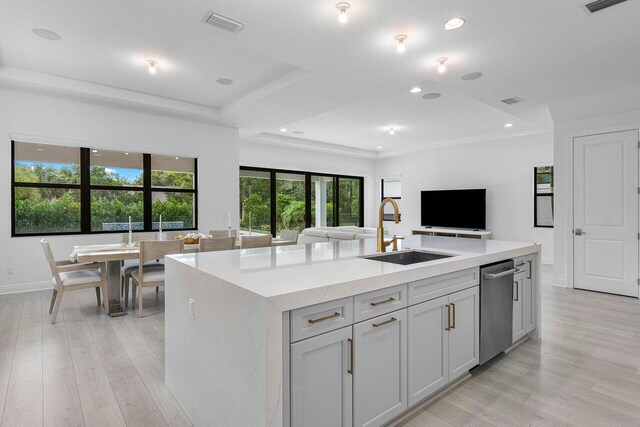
(452, 232)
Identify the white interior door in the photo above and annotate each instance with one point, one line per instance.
(605, 213)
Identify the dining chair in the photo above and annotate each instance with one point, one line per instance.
(261, 241)
(152, 275)
(224, 233)
(211, 244)
(70, 276)
(289, 235)
(130, 266)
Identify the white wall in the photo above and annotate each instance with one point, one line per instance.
(504, 168)
(44, 118)
(605, 112)
(277, 157)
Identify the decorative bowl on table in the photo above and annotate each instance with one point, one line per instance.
(191, 238)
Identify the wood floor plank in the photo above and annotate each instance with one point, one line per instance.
(136, 404)
(25, 416)
(93, 384)
(151, 371)
(61, 399)
(108, 416)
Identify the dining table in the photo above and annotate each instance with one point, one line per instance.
(114, 255)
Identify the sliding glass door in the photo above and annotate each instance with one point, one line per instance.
(275, 200)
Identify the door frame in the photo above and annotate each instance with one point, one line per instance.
(570, 136)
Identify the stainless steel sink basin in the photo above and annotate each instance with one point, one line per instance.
(408, 257)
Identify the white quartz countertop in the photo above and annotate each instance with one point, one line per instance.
(297, 276)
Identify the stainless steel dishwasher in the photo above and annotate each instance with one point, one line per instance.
(496, 309)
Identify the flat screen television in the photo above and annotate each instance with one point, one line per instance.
(454, 208)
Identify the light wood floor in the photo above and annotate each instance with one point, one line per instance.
(91, 370)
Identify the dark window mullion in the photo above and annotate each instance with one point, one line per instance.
(307, 200)
(361, 219)
(147, 192)
(85, 190)
(272, 175)
(336, 201)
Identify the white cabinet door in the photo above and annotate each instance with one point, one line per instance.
(519, 327)
(428, 348)
(464, 333)
(380, 369)
(321, 385)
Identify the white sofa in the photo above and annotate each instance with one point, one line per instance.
(331, 234)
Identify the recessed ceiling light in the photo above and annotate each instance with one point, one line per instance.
(224, 82)
(46, 34)
(508, 125)
(380, 147)
(392, 131)
(471, 76)
(432, 95)
(177, 158)
(39, 149)
(342, 7)
(442, 67)
(126, 154)
(401, 46)
(416, 89)
(297, 132)
(283, 129)
(94, 151)
(454, 23)
(152, 66)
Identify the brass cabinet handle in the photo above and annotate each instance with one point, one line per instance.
(448, 328)
(517, 298)
(529, 269)
(453, 308)
(350, 370)
(386, 322)
(387, 301)
(322, 319)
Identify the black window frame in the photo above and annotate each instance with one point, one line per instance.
(85, 188)
(307, 199)
(536, 195)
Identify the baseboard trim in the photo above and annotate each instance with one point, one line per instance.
(25, 287)
(561, 283)
(429, 400)
(546, 261)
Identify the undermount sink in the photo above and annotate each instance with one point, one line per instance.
(408, 257)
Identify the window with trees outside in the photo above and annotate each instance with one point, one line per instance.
(72, 190)
(543, 196)
(275, 200)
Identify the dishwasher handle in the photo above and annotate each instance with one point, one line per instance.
(492, 276)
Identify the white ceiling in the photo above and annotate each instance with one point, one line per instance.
(295, 66)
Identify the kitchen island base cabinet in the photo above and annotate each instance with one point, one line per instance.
(321, 383)
(443, 342)
(524, 298)
(464, 333)
(428, 355)
(380, 369)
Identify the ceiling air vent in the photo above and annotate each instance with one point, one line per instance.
(514, 100)
(598, 5)
(223, 21)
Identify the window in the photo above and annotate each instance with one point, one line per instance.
(276, 200)
(543, 196)
(255, 201)
(67, 190)
(173, 192)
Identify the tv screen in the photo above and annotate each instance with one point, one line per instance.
(454, 208)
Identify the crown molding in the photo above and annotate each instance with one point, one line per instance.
(23, 79)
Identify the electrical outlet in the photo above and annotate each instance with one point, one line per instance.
(10, 271)
(192, 308)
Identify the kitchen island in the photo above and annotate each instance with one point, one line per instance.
(283, 336)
